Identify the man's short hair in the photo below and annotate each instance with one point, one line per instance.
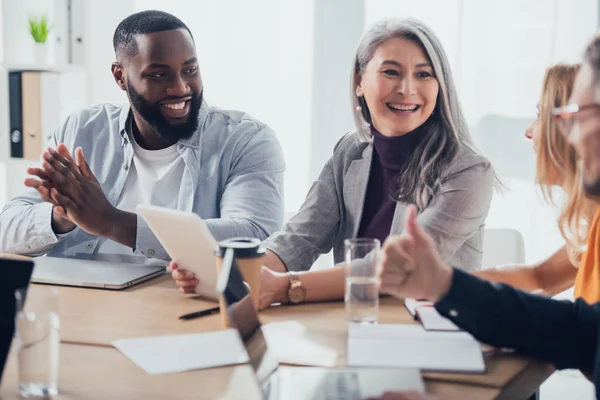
(143, 23)
(592, 56)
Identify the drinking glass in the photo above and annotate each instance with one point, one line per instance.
(362, 293)
(38, 340)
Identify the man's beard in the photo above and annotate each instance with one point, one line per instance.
(152, 115)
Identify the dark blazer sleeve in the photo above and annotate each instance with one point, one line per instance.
(561, 332)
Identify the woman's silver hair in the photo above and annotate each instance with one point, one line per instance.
(446, 130)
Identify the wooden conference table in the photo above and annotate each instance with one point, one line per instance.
(90, 368)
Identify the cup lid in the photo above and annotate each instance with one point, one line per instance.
(243, 247)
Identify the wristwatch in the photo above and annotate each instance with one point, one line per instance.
(296, 292)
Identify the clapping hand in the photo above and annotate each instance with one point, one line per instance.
(60, 222)
(77, 195)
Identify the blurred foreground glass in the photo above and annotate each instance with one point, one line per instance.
(362, 294)
(38, 340)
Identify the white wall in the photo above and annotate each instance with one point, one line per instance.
(338, 28)
(102, 20)
(1, 32)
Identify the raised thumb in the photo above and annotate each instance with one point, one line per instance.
(411, 225)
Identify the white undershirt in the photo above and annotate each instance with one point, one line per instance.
(154, 178)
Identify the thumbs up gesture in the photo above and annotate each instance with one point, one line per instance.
(411, 265)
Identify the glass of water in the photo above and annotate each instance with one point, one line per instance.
(362, 293)
(38, 339)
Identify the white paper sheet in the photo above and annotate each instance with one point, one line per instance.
(177, 353)
(290, 346)
(410, 346)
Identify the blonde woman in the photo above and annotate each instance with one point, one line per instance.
(411, 145)
(556, 166)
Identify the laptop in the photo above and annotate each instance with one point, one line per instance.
(93, 273)
(302, 383)
(15, 275)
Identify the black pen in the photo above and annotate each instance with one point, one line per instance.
(199, 314)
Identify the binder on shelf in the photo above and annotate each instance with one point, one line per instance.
(15, 114)
(34, 111)
(32, 121)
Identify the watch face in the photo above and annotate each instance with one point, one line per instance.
(296, 294)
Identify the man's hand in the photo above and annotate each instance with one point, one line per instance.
(185, 280)
(411, 265)
(78, 197)
(77, 192)
(60, 222)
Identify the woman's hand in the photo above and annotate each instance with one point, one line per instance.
(185, 280)
(273, 287)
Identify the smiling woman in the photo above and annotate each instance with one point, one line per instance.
(397, 87)
(402, 63)
(411, 145)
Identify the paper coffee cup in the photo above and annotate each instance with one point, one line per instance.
(248, 255)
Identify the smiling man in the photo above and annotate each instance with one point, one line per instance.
(167, 147)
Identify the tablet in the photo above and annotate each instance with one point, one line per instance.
(187, 240)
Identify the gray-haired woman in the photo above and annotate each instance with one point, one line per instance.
(412, 145)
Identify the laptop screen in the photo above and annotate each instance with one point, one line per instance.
(244, 318)
(15, 275)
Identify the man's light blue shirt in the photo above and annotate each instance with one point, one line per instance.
(233, 179)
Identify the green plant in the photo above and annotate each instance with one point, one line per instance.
(39, 28)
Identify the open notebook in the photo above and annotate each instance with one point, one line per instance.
(431, 320)
(410, 346)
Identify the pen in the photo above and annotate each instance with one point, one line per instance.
(199, 314)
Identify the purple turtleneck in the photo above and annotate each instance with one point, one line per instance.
(389, 157)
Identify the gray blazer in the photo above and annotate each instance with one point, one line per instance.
(332, 210)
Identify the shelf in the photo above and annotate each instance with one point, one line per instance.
(43, 68)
